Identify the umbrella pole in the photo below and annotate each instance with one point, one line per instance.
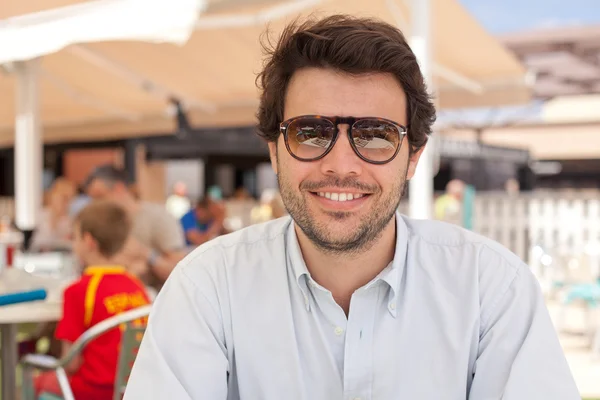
(28, 147)
(421, 185)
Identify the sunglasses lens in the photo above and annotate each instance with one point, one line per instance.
(309, 138)
(376, 140)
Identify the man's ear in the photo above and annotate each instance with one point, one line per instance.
(89, 241)
(273, 155)
(413, 161)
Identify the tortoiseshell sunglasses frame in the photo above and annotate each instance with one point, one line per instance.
(351, 121)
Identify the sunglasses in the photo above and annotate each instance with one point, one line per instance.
(311, 137)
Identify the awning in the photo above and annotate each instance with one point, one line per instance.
(98, 91)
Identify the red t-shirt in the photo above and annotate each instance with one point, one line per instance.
(100, 293)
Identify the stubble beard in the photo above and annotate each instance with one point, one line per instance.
(369, 229)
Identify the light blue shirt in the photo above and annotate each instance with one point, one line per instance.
(454, 316)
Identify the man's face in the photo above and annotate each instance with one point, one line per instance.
(99, 189)
(343, 226)
(203, 215)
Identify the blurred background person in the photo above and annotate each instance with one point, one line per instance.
(217, 207)
(178, 203)
(156, 243)
(241, 193)
(270, 207)
(201, 224)
(277, 207)
(78, 203)
(54, 229)
(448, 206)
(512, 187)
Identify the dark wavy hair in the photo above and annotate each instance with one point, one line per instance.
(348, 44)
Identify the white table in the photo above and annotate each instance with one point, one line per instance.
(13, 280)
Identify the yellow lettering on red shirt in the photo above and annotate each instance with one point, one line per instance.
(120, 302)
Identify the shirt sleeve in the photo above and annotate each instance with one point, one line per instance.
(183, 354)
(188, 222)
(168, 235)
(72, 324)
(519, 355)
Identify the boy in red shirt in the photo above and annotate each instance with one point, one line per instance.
(104, 290)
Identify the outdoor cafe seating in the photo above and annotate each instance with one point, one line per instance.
(31, 286)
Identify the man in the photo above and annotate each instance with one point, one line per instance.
(348, 299)
(157, 241)
(178, 203)
(449, 205)
(200, 225)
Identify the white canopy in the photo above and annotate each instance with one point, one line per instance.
(36, 35)
(120, 88)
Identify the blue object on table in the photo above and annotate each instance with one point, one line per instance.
(22, 297)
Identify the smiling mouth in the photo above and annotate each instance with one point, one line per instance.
(341, 197)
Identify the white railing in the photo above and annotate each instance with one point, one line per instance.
(565, 225)
(562, 225)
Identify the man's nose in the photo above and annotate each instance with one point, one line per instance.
(342, 160)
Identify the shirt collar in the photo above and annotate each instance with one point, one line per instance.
(392, 274)
(103, 269)
(295, 259)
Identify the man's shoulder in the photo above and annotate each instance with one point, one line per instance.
(242, 256)
(149, 210)
(443, 234)
(153, 209)
(242, 239)
(467, 262)
(254, 243)
(153, 216)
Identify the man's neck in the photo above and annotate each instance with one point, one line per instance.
(344, 274)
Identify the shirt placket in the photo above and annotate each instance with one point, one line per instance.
(358, 352)
(333, 322)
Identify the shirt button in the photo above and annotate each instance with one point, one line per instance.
(338, 331)
(392, 306)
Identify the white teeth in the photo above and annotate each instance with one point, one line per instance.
(341, 196)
